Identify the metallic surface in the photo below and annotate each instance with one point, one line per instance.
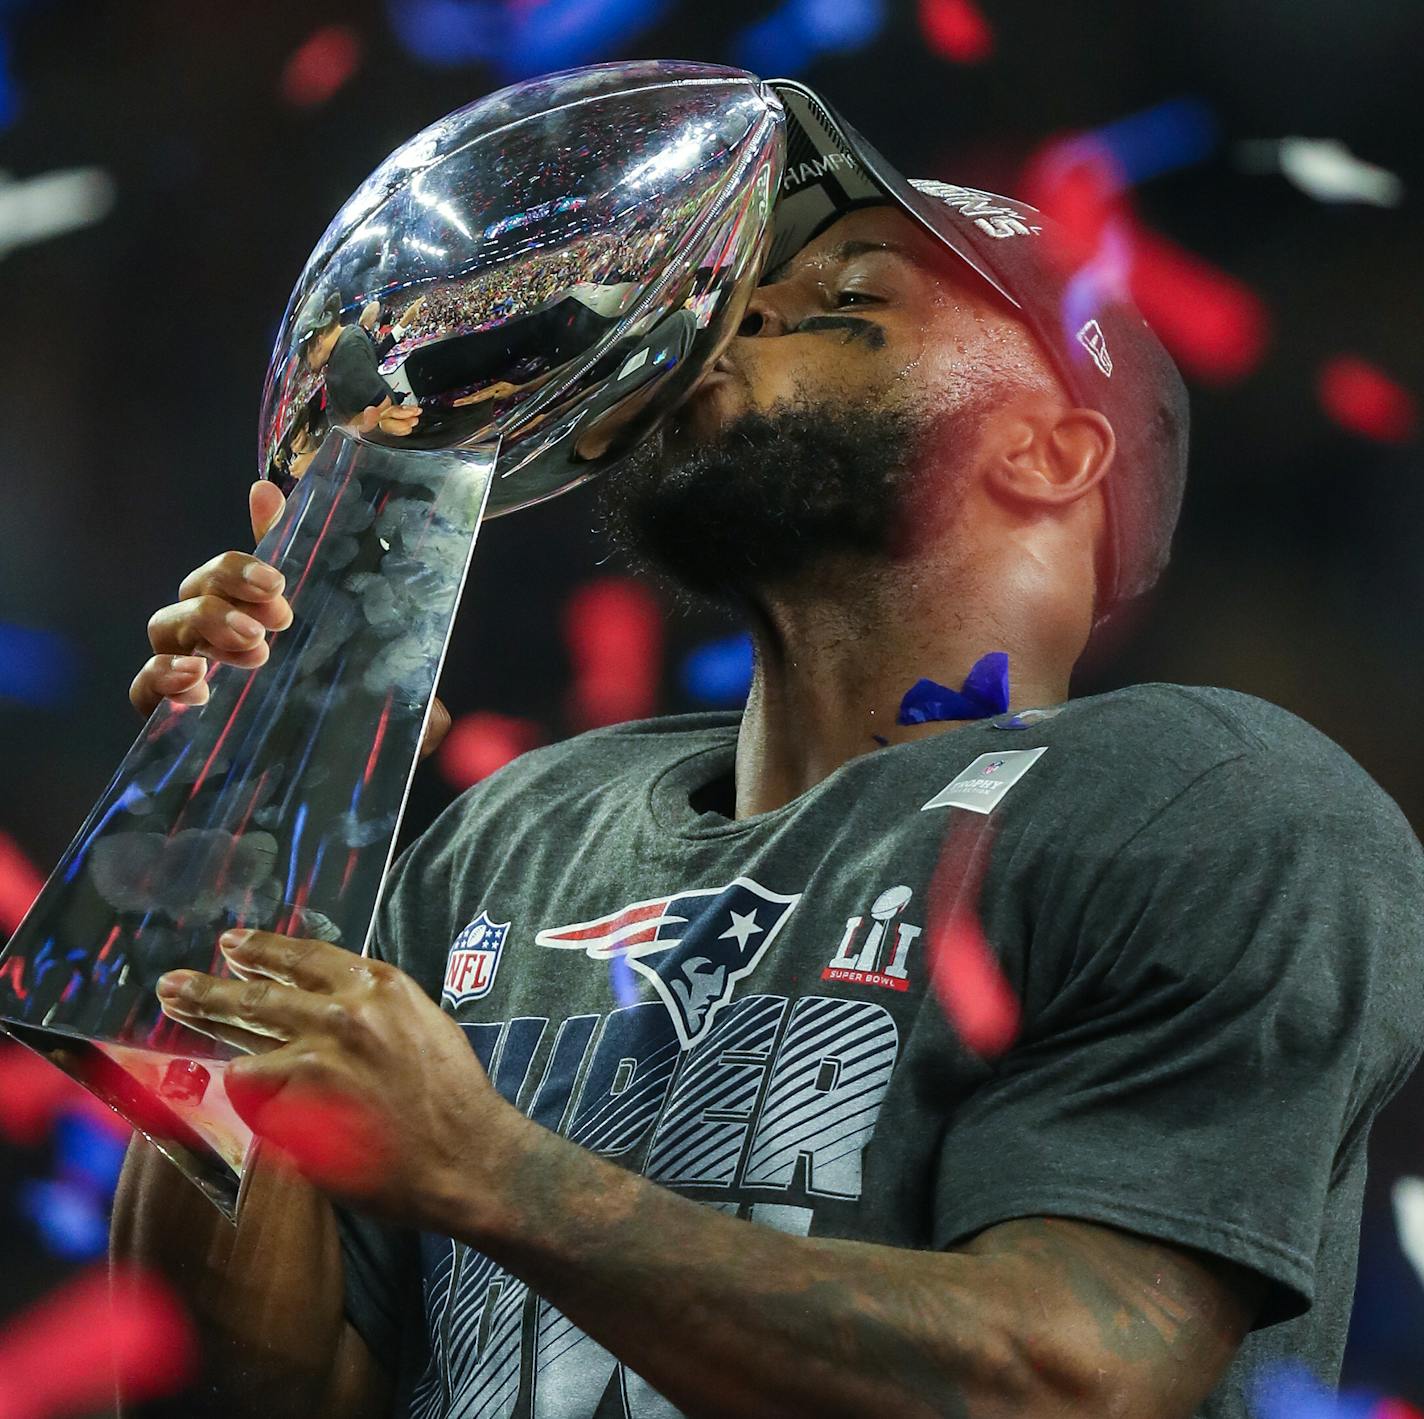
(552, 265)
(509, 303)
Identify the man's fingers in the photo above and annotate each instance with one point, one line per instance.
(315, 966)
(265, 502)
(245, 1040)
(261, 1007)
(208, 625)
(240, 578)
(436, 728)
(170, 677)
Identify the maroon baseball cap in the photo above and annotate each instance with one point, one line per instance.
(1102, 349)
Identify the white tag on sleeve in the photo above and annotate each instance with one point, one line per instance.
(980, 787)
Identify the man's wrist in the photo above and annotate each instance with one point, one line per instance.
(478, 1192)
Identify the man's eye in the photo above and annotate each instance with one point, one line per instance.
(849, 298)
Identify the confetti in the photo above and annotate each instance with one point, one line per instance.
(719, 672)
(34, 1093)
(67, 1353)
(37, 667)
(957, 30)
(321, 65)
(20, 883)
(964, 972)
(1322, 168)
(1290, 1391)
(333, 1141)
(613, 628)
(985, 692)
(1407, 1197)
(1362, 399)
(1215, 326)
(481, 743)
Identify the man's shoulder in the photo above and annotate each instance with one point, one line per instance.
(1119, 758)
(1191, 728)
(1166, 740)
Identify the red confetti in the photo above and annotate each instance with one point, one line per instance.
(1079, 187)
(1394, 1409)
(20, 884)
(1361, 398)
(964, 971)
(1216, 327)
(69, 1353)
(34, 1092)
(333, 1141)
(971, 988)
(614, 631)
(481, 743)
(957, 30)
(325, 61)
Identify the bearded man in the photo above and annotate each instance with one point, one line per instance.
(665, 1112)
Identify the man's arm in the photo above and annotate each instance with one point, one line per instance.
(265, 1296)
(1040, 1317)
(1045, 1318)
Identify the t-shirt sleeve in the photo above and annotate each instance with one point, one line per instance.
(1215, 1010)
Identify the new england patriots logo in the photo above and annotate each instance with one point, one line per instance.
(693, 946)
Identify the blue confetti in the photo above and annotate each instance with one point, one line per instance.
(789, 38)
(620, 976)
(1292, 1392)
(70, 1219)
(719, 672)
(1163, 138)
(985, 692)
(36, 667)
(88, 1153)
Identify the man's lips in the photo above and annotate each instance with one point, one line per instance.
(720, 373)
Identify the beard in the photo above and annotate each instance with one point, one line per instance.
(770, 497)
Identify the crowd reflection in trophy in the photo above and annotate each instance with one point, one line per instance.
(442, 363)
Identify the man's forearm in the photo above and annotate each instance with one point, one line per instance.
(264, 1297)
(725, 1317)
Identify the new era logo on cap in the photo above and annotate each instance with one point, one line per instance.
(1092, 339)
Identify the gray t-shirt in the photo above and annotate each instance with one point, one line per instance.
(1210, 914)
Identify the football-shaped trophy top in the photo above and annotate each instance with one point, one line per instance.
(549, 269)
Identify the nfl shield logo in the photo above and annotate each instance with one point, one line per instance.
(473, 960)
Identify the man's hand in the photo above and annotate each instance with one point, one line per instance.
(227, 607)
(379, 1099)
(354, 1072)
(387, 417)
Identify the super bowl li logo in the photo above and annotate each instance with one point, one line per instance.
(881, 957)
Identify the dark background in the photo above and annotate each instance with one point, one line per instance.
(135, 350)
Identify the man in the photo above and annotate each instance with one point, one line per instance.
(695, 960)
(356, 391)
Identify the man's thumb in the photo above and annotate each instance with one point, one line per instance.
(265, 503)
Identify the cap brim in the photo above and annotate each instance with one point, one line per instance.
(831, 170)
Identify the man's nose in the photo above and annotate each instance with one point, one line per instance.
(764, 315)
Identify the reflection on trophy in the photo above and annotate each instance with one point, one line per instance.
(514, 299)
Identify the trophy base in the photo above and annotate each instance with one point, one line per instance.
(178, 1103)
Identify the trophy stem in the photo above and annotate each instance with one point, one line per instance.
(273, 806)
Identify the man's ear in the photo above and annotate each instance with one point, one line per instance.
(1051, 455)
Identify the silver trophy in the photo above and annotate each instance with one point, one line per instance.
(508, 304)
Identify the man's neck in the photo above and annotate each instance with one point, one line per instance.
(831, 672)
